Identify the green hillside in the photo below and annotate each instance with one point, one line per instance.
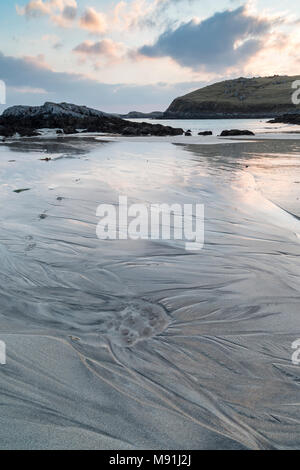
(243, 96)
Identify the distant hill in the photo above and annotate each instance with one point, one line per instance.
(242, 97)
(139, 115)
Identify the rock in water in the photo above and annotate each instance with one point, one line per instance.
(233, 132)
(289, 118)
(205, 133)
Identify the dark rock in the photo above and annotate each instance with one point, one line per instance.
(205, 133)
(6, 132)
(286, 119)
(145, 131)
(70, 117)
(10, 131)
(188, 134)
(18, 191)
(234, 132)
(70, 130)
(130, 131)
(27, 132)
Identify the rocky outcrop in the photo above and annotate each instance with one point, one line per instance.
(259, 97)
(287, 119)
(70, 118)
(234, 132)
(7, 131)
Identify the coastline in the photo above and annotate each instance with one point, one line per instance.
(90, 138)
(209, 140)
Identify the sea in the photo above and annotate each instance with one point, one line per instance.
(261, 126)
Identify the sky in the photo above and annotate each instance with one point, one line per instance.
(126, 55)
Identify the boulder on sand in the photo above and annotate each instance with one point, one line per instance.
(234, 132)
(205, 133)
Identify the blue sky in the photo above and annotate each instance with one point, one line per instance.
(120, 55)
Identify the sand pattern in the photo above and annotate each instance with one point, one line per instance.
(134, 345)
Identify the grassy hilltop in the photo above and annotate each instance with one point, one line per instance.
(243, 96)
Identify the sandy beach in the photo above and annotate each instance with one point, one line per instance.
(214, 371)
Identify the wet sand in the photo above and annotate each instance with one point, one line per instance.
(209, 362)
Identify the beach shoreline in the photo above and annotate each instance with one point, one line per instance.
(92, 138)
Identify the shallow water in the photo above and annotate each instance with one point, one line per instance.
(258, 126)
(141, 344)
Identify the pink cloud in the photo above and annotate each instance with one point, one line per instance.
(101, 52)
(93, 21)
(105, 47)
(45, 7)
(61, 12)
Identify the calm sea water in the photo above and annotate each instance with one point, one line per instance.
(218, 125)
